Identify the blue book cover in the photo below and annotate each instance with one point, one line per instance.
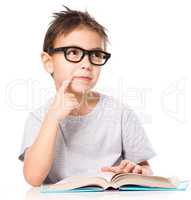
(181, 187)
(45, 189)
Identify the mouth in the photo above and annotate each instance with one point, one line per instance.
(85, 78)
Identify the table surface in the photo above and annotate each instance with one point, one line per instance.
(34, 194)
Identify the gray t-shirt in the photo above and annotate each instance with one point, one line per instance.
(108, 134)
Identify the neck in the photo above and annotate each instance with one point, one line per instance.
(84, 103)
(82, 98)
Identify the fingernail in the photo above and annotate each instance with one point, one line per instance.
(65, 81)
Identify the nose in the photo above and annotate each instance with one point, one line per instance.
(85, 63)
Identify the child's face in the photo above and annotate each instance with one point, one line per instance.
(63, 69)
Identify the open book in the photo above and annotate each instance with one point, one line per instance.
(121, 181)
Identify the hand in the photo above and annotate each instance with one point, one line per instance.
(64, 102)
(127, 166)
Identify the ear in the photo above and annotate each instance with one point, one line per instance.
(47, 62)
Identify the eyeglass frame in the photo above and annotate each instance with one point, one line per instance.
(85, 52)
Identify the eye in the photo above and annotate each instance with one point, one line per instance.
(73, 52)
(98, 55)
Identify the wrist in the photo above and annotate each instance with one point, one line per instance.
(53, 117)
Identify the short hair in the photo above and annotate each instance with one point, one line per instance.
(66, 21)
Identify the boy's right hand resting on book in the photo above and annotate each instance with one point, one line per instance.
(127, 166)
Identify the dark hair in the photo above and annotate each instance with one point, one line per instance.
(66, 21)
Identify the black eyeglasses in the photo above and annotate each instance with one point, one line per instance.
(76, 54)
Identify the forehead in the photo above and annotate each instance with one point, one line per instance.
(82, 37)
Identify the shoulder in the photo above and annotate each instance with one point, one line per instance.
(118, 107)
(115, 103)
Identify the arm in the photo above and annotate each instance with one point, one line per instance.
(38, 158)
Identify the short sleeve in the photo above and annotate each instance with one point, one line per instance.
(31, 129)
(136, 145)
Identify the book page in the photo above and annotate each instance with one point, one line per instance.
(90, 173)
(77, 182)
(90, 178)
(150, 181)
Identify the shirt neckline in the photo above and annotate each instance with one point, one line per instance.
(88, 115)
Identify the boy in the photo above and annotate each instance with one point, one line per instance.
(80, 129)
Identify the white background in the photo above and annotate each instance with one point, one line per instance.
(149, 70)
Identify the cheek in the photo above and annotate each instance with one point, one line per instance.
(62, 70)
(96, 74)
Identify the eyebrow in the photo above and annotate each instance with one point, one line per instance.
(97, 48)
(92, 49)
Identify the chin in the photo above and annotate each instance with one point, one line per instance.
(80, 89)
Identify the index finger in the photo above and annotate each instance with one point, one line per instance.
(67, 82)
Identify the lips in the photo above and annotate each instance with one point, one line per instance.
(84, 78)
